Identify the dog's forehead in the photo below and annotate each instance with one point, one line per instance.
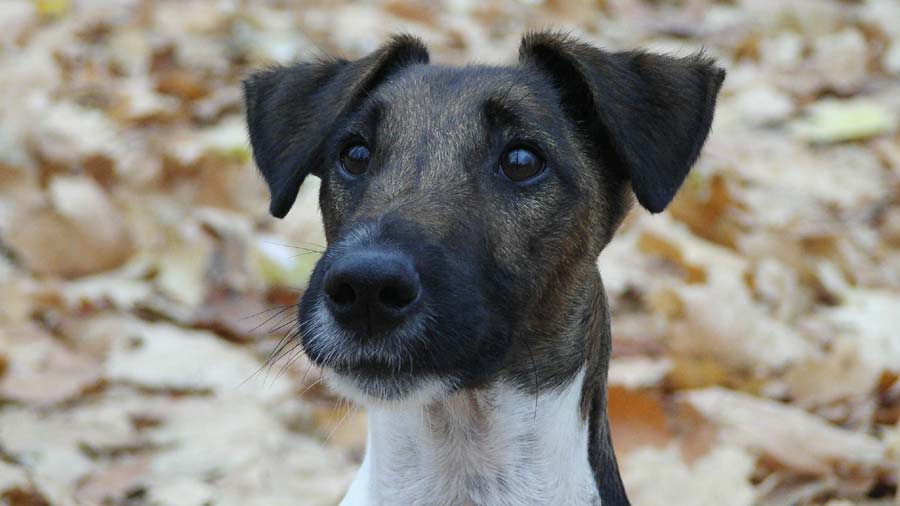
(436, 91)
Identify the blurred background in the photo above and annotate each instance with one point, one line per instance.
(145, 292)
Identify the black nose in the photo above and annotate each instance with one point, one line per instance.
(372, 290)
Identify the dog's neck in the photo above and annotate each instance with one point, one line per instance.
(492, 446)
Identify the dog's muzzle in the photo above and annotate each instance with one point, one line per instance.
(389, 311)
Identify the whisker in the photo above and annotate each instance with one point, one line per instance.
(308, 369)
(269, 319)
(270, 360)
(340, 423)
(295, 355)
(280, 350)
(291, 319)
(322, 250)
(266, 311)
(309, 387)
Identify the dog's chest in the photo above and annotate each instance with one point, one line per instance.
(487, 449)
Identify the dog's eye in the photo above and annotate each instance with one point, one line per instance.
(519, 164)
(355, 158)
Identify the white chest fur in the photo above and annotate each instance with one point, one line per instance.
(495, 447)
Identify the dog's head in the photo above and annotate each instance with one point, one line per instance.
(463, 207)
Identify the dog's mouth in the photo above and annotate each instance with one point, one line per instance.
(380, 382)
(374, 368)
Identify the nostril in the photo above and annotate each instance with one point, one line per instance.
(342, 294)
(397, 296)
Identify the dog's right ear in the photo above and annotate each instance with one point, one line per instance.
(651, 112)
(292, 110)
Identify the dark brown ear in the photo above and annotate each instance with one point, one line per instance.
(292, 110)
(652, 111)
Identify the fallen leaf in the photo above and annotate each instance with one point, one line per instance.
(52, 443)
(24, 496)
(163, 356)
(114, 482)
(839, 60)
(787, 434)
(242, 316)
(637, 419)
(181, 491)
(698, 372)
(183, 85)
(661, 477)
(831, 120)
(83, 219)
(739, 333)
(52, 8)
(763, 104)
(45, 371)
(841, 374)
(12, 476)
(182, 268)
(870, 319)
(638, 372)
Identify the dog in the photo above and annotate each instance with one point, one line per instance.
(464, 208)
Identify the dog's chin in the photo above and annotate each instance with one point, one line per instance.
(387, 390)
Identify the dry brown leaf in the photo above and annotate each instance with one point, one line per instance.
(420, 13)
(12, 477)
(243, 316)
(23, 496)
(182, 267)
(841, 374)
(82, 233)
(637, 418)
(163, 356)
(266, 464)
(839, 59)
(721, 320)
(869, 320)
(68, 133)
(53, 443)
(326, 477)
(698, 372)
(762, 104)
(138, 102)
(181, 491)
(122, 289)
(787, 434)
(183, 85)
(638, 372)
(705, 206)
(44, 370)
(113, 483)
(660, 477)
(701, 259)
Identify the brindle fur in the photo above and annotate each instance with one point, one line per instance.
(511, 269)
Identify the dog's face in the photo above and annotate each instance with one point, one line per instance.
(463, 206)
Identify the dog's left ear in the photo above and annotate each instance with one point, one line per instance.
(292, 110)
(652, 111)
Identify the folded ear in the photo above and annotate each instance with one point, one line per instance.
(292, 110)
(652, 111)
